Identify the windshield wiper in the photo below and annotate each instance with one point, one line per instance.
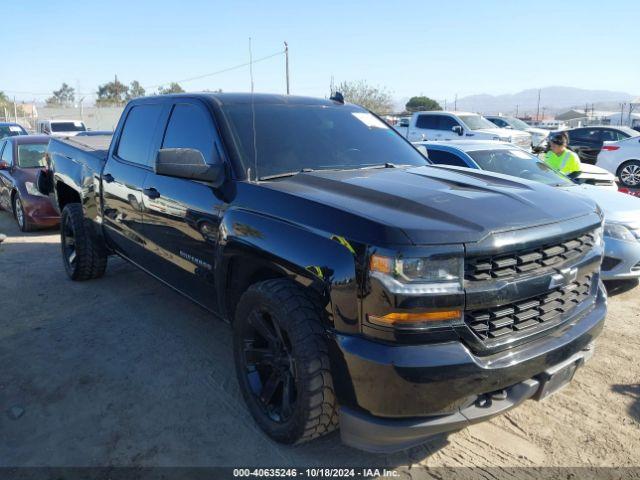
(286, 174)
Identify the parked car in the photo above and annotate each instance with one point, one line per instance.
(21, 158)
(439, 125)
(8, 129)
(621, 212)
(60, 128)
(364, 287)
(622, 158)
(588, 141)
(538, 135)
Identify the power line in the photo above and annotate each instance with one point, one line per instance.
(224, 70)
(184, 80)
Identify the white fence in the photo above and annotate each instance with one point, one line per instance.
(95, 118)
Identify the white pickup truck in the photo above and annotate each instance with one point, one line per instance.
(437, 125)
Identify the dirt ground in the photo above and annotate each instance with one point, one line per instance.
(123, 371)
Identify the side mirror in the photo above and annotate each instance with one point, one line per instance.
(457, 129)
(403, 123)
(190, 164)
(4, 165)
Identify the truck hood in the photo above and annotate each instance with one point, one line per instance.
(617, 207)
(427, 205)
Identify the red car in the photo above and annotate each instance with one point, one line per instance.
(21, 158)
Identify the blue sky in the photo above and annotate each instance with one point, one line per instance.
(410, 47)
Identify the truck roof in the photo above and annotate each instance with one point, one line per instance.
(244, 98)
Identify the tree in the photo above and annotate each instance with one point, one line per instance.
(172, 88)
(4, 100)
(112, 94)
(419, 104)
(372, 98)
(63, 97)
(135, 90)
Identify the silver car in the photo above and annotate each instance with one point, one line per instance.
(621, 211)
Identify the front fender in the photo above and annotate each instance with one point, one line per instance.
(319, 260)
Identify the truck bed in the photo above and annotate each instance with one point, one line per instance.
(96, 145)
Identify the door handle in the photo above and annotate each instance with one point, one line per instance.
(108, 178)
(152, 193)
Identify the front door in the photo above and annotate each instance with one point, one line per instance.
(182, 217)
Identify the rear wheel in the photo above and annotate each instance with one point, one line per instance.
(282, 362)
(629, 173)
(21, 216)
(83, 254)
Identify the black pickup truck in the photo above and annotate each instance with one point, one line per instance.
(366, 288)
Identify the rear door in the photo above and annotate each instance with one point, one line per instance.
(586, 142)
(182, 217)
(425, 128)
(124, 175)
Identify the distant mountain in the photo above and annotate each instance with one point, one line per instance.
(552, 99)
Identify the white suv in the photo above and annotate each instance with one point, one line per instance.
(622, 158)
(460, 126)
(61, 128)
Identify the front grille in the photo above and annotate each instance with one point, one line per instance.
(509, 265)
(530, 313)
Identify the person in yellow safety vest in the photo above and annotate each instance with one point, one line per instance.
(560, 158)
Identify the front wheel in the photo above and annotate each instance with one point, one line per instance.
(282, 362)
(21, 216)
(83, 254)
(629, 174)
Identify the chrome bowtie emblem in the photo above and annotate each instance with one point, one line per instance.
(563, 277)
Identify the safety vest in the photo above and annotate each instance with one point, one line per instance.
(566, 163)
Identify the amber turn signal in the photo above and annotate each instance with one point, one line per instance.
(396, 318)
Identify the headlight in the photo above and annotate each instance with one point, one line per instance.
(418, 276)
(619, 232)
(32, 189)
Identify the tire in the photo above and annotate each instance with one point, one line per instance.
(629, 173)
(83, 254)
(279, 316)
(20, 215)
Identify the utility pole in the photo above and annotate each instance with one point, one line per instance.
(115, 86)
(15, 110)
(621, 113)
(455, 103)
(286, 61)
(517, 111)
(538, 111)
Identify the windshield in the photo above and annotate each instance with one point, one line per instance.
(517, 123)
(32, 155)
(289, 138)
(476, 122)
(519, 164)
(67, 127)
(630, 131)
(11, 131)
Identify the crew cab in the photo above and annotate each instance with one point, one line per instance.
(365, 288)
(440, 125)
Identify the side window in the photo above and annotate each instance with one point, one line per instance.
(610, 136)
(7, 153)
(427, 122)
(446, 158)
(576, 135)
(447, 123)
(190, 127)
(137, 134)
(499, 122)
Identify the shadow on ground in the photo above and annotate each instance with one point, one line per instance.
(632, 391)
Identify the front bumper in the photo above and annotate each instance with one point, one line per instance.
(621, 260)
(395, 397)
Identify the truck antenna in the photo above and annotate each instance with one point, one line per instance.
(253, 120)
